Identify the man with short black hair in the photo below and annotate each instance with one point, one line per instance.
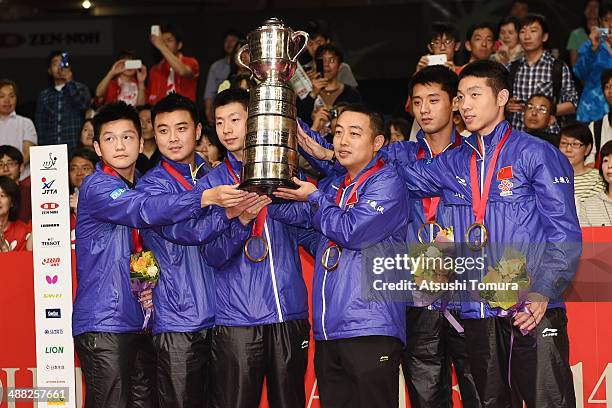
(150, 153)
(11, 165)
(539, 72)
(218, 72)
(175, 72)
(60, 108)
(480, 41)
(539, 116)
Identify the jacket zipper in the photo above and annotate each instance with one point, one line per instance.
(273, 274)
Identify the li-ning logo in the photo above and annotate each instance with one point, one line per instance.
(51, 280)
(49, 164)
(549, 332)
(53, 313)
(50, 242)
(305, 344)
(51, 262)
(47, 187)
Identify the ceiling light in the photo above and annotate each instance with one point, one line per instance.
(86, 4)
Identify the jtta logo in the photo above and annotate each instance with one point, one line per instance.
(49, 164)
(47, 186)
(51, 280)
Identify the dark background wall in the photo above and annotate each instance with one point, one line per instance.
(382, 42)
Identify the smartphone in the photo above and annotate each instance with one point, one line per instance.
(133, 64)
(437, 59)
(155, 30)
(603, 31)
(319, 64)
(65, 62)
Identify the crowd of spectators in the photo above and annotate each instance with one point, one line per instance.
(564, 103)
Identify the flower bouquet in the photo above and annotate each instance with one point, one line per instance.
(507, 281)
(144, 272)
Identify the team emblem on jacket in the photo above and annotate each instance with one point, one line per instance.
(504, 175)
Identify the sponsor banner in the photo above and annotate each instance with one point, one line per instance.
(589, 329)
(35, 39)
(52, 267)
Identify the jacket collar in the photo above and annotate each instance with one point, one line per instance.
(371, 164)
(235, 163)
(455, 141)
(186, 170)
(491, 140)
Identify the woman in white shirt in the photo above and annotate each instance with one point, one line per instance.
(597, 210)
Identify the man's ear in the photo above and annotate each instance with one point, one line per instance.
(379, 142)
(457, 46)
(141, 148)
(545, 38)
(468, 46)
(551, 120)
(502, 97)
(198, 131)
(429, 48)
(180, 45)
(96, 146)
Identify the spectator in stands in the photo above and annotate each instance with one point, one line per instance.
(602, 128)
(121, 84)
(508, 47)
(594, 57)
(219, 71)
(397, 130)
(86, 135)
(175, 72)
(444, 40)
(11, 165)
(15, 130)
(539, 72)
(319, 37)
(578, 36)
(597, 210)
(81, 164)
(480, 40)
(60, 108)
(519, 9)
(15, 235)
(239, 76)
(576, 143)
(539, 116)
(327, 90)
(210, 148)
(150, 155)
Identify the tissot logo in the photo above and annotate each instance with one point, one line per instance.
(47, 186)
(49, 164)
(53, 313)
(51, 262)
(50, 242)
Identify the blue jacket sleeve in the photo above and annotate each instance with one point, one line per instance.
(113, 203)
(292, 213)
(586, 58)
(227, 245)
(309, 239)
(556, 204)
(400, 153)
(382, 206)
(425, 178)
(209, 225)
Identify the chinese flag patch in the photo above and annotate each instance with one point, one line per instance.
(505, 173)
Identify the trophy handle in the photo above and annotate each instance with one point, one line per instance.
(293, 38)
(238, 58)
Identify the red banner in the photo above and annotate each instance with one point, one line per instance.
(589, 316)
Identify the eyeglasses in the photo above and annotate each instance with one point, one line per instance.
(329, 60)
(540, 108)
(574, 145)
(9, 164)
(439, 43)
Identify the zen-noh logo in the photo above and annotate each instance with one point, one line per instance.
(49, 208)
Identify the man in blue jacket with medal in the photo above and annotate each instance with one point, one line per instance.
(107, 319)
(359, 331)
(510, 199)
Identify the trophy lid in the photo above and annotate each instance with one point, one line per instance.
(273, 22)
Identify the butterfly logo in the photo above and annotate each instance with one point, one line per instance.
(52, 280)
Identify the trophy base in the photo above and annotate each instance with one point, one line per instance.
(266, 186)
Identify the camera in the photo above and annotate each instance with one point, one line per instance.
(65, 62)
(333, 113)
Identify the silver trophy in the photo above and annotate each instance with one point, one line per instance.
(270, 157)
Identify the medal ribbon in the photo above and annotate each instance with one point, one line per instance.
(260, 221)
(176, 175)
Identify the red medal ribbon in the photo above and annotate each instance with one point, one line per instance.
(260, 221)
(176, 175)
(136, 239)
(430, 204)
(352, 198)
(479, 203)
